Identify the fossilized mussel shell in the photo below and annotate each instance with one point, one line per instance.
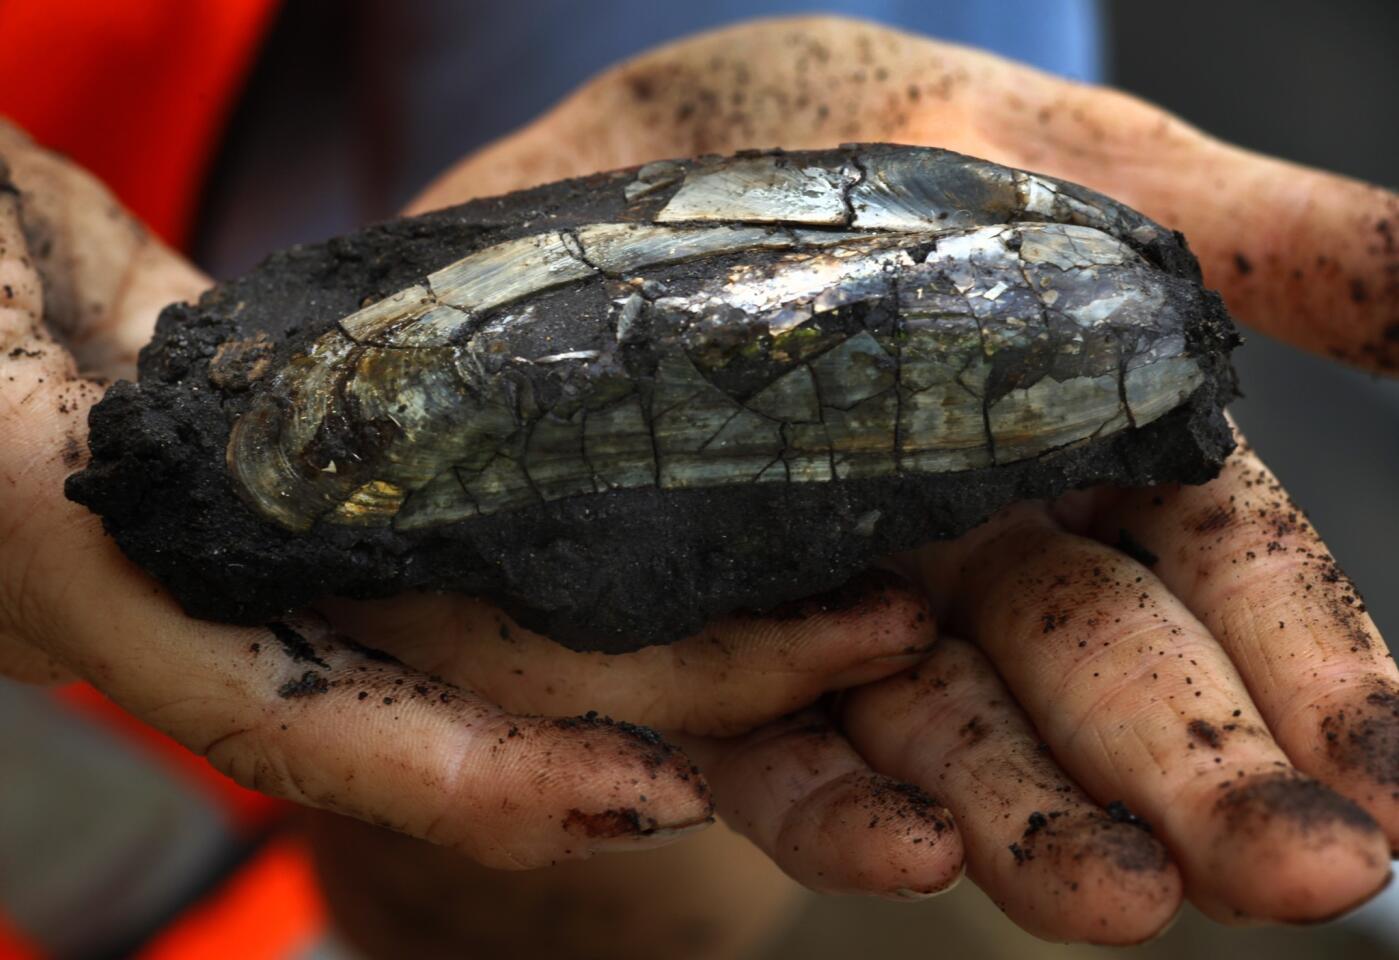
(888, 340)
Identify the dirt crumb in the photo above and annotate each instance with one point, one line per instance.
(1118, 812)
(1202, 731)
(309, 684)
(297, 647)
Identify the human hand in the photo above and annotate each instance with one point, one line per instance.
(1242, 611)
(293, 709)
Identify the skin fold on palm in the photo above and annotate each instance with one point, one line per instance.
(1180, 658)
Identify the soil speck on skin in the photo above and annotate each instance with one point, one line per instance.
(72, 452)
(655, 751)
(1118, 812)
(1069, 840)
(1131, 546)
(1205, 732)
(908, 805)
(1129, 846)
(297, 647)
(973, 731)
(1304, 802)
(309, 684)
(1367, 737)
(620, 822)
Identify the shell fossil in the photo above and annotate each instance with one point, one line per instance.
(625, 404)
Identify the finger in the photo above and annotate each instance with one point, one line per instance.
(325, 724)
(1304, 255)
(1301, 254)
(105, 276)
(807, 800)
(294, 713)
(1244, 558)
(1054, 861)
(742, 671)
(1138, 702)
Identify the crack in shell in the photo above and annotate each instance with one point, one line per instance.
(848, 314)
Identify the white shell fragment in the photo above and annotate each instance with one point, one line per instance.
(894, 311)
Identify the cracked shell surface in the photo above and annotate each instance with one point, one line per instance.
(625, 404)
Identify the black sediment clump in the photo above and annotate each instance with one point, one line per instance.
(607, 571)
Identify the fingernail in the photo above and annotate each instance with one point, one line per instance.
(912, 895)
(648, 840)
(1349, 908)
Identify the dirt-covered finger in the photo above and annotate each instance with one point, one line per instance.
(292, 711)
(1058, 864)
(1139, 703)
(739, 672)
(801, 793)
(1247, 561)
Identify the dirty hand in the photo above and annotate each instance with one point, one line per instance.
(292, 709)
(1181, 658)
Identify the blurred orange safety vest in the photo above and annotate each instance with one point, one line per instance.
(139, 92)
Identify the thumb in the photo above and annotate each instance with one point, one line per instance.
(105, 275)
